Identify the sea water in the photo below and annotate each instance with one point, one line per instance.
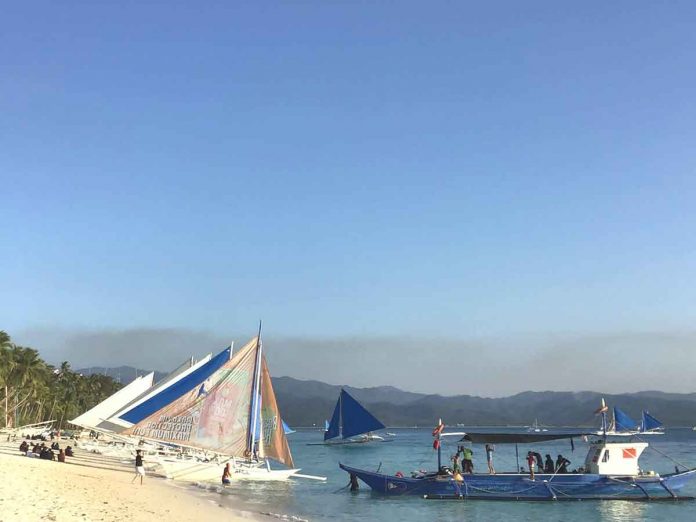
(412, 449)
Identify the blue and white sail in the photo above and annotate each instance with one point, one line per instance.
(650, 424)
(178, 388)
(350, 418)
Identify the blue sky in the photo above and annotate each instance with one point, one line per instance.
(490, 169)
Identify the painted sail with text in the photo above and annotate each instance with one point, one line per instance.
(214, 414)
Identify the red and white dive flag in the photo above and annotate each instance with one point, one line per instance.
(603, 408)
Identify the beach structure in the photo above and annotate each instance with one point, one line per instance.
(610, 471)
(352, 423)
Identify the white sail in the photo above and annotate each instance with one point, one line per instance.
(106, 408)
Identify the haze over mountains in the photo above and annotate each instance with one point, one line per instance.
(309, 403)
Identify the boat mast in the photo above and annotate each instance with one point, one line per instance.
(254, 406)
(340, 414)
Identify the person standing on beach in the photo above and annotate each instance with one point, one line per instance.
(139, 468)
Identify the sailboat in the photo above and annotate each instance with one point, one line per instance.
(650, 425)
(231, 417)
(352, 423)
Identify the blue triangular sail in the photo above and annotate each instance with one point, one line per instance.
(334, 428)
(356, 419)
(623, 422)
(650, 423)
(287, 429)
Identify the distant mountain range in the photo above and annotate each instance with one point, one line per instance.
(309, 403)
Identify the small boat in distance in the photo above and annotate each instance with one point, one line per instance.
(352, 423)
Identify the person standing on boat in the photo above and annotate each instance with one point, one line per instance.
(531, 462)
(226, 475)
(455, 464)
(468, 460)
(549, 466)
(489, 458)
(139, 468)
(562, 464)
(539, 461)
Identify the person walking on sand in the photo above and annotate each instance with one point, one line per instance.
(139, 468)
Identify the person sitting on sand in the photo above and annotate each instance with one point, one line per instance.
(61, 456)
(24, 447)
(226, 475)
(139, 468)
(68, 451)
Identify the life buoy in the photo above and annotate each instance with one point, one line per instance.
(436, 444)
(399, 474)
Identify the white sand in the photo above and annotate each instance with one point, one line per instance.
(90, 487)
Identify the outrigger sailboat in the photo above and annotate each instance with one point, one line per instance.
(611, 471)
(352, 423)
(624, 426)
(231, 417)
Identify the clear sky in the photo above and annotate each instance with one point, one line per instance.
(371, 170)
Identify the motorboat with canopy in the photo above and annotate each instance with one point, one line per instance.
(610, 471)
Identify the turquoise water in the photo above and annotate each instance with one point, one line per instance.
(412, 450)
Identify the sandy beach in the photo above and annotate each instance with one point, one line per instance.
(92, 487)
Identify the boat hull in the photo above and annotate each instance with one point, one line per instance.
(515, 486)
(196, 471)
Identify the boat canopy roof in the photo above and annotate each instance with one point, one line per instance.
(498, 436)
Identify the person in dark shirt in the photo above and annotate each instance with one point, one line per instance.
(68, 451)
(548, 465)
(139, 468)
(24, 447)
(562, 464)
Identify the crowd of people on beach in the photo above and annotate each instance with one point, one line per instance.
(42, 451)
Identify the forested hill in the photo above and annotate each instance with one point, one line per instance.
(308, 403)
(305, 403)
